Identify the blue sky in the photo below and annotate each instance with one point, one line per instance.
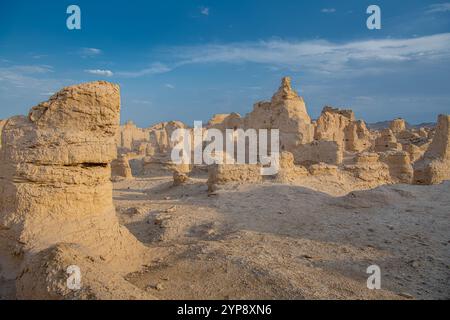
(187, 60)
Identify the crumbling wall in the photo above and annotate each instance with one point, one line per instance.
(434, 166)
(233, 173)
(341, 127)
(315, 152)
(288, 171)
(368, 167)
(399, 164)
(387, 141)
(130, 136)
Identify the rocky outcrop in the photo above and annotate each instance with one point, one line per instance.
(368, 167)
(226, 121)
(323, 169)
(399, 164)
(130, 137)
(318, 151)
(233, 173)
(387, 141)
(397, 125)
(340, 126)
(180, 174)
(160, 137)
(120, 168)
(434, 166)
(286, 112)
(357, 136)
(288, 171)
(55, 185)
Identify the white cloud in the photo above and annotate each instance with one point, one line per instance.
(365, 56)
(23, 75)
(169, 86)
(29, 81)
(99, 72)
(155, 68)
(90, 52)
(328, 10)
(439, 7)
(204, 11)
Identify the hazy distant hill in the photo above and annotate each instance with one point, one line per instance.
(385, 124)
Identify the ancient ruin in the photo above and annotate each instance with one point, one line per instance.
(56, 203)
(59, 209)
(434, 166)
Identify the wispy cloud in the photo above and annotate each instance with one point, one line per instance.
(99, 72)
(29, 81)
(204, 11)
(169, 86)
(439, 7)
(328, 10)
(23, 75)
(319, 56)
(90, 52)
(155, 68)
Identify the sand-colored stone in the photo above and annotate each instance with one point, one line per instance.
(434, 166)
(120, 168)
(315, 152)
(387, 142)
(180, 174)
(130, 136)
(340, 126)
(399, 164)
(323, 169)
(233, 173)
(368, 167)
(286, 112)
(226, 121)
(415, 152)
(288, 171)
(397, 125)
(357, 136)
(55, 185)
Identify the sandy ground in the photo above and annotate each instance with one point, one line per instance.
(305, 241)
(309, 240)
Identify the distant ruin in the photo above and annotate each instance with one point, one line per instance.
(336, 144)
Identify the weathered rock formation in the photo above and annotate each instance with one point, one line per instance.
(55, 186)
(288, 171)
(180, 174)
(368, 167)
(323, 169)
(286, 112)
(130, 137)
(399, 164)
(120, 168)
(233, 173)
(434, 166)
(315, 152)
(226, 121)
(340, 126)
(387, 142)
(397, 125)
